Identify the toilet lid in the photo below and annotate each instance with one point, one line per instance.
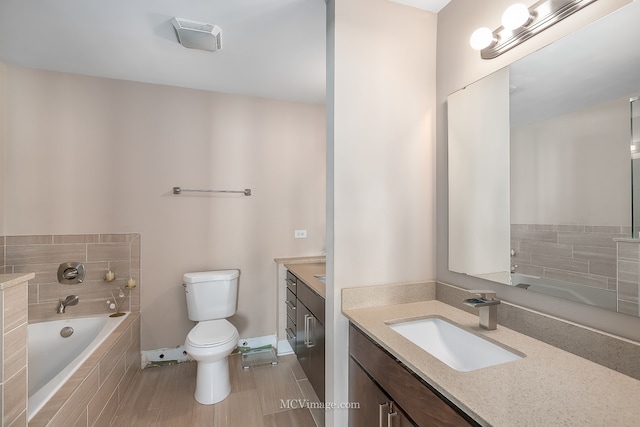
(212, 333)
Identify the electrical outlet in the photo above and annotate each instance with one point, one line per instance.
(300, 234)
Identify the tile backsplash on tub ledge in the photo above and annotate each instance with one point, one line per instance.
(42, 254)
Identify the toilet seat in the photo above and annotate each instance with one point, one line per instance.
(212, 333)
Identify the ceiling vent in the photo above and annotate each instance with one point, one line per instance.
(198, 35)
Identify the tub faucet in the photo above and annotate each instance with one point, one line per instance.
(69, 300)
(487, 305)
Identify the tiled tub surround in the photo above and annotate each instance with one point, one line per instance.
(92, 395)
(42, 254)
(13, 349)
(2, 255)
(549, 386)
(628, 276)
(581, 254)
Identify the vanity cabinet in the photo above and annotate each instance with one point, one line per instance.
(291, 305)
(376, 408)
(414, 401)
(305, 326)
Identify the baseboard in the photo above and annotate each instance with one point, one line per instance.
(284, 348)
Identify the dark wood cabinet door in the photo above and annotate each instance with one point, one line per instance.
(302, 351)
(375, 407)
(422, 403)
(316, 358)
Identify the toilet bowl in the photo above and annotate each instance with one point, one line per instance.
(209, 343)
(211, 297)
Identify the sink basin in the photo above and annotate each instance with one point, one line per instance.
(460, 349)
(321, 277)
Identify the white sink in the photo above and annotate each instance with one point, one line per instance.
(461, 350)
(321, 277)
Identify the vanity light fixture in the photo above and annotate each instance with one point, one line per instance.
(516, 16)
(520, 23)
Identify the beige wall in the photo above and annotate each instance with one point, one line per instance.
(565, 170)
(3, 130)
(381, 187)
(90, 155)
(457, 66)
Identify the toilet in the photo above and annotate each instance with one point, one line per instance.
(211, 298)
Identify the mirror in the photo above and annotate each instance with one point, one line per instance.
(540, 169)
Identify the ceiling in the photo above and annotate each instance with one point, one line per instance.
(270, 48)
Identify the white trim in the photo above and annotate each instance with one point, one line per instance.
(284, 348)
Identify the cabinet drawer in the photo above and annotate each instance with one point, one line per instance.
(291, 327)
(290, 331)
(313, 301)
(291, 302)
(292, 282)
(420, 402)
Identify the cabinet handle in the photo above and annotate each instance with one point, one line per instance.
(306, 329)
(312, 332)
(290, 305)
(292, 283)
(390, 416)
(383, 419)
(308, 332)
(290, 334)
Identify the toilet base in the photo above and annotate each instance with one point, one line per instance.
(212, 382)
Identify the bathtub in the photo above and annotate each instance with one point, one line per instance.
(53, 358)
(570, 291)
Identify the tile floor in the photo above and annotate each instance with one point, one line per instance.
(163, 396)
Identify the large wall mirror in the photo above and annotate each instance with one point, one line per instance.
(542, 169)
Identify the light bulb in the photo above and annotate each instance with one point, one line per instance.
(515, 16)
(481, 38)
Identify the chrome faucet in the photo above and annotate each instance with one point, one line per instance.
(487, 305)
(69, 300)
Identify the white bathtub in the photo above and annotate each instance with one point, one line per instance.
(53, 358)
(571, 291)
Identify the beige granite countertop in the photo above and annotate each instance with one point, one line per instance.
(9, 280)
(307, 271)
(547, 387)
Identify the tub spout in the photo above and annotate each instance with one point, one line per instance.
(69, 300)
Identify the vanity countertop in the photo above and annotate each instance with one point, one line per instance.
(547, 387)
(307, 272)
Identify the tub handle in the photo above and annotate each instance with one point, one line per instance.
(70, 273)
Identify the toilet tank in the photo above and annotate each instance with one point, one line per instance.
(211, 294)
